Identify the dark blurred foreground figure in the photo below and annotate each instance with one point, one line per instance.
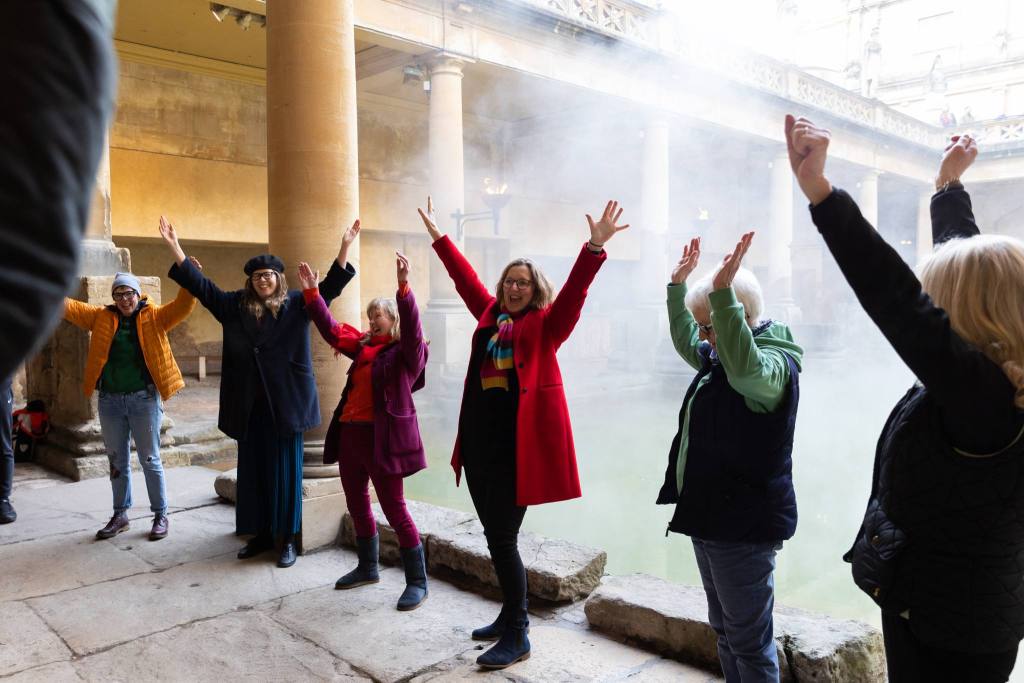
(7, 513)
(941, 548)
(57, 74)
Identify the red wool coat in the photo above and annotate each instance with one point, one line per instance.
(545, 456)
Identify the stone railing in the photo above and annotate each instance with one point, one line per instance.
(642, 23)
(998, 134)
(631, 19)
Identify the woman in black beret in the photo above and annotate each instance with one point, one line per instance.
(268, 393)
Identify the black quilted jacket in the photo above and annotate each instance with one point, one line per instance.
(943, 535)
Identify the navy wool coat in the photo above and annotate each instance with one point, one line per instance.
(271, 357)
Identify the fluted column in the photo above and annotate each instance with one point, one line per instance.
(654, 211)
(312, 155)
(867, 195)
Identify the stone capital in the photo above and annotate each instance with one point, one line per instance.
(446, 63)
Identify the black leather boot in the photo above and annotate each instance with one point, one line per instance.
(415, 578)
(366, 571)
(513, 645)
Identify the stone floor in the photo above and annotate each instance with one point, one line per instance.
(73, 608)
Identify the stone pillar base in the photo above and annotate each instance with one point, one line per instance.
(79, 452)
(313, 466)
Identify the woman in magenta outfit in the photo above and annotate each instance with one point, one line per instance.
(374, 434)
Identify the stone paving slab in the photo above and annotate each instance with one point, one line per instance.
(672, 619)
(25, 640)
(568, 654)
(235, 646)
(396, 644)
(57, 563)
(87, 504)
(60, 672)
(193, 535)
(193, 591)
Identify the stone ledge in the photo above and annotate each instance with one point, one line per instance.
(672, 619)
(557, 570)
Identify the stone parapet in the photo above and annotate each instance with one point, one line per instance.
(673, 619)
(556, 570)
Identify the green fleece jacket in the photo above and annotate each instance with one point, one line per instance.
(755, 365)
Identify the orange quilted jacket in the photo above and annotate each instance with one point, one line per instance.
(153, 321)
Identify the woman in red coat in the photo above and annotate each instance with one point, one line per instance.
(514, 438)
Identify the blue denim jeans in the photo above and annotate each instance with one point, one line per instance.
(738, 582)
(136, 415)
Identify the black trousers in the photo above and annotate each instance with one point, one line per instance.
(491, 478)
(6, 446)
(911, 661)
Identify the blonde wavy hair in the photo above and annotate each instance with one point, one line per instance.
(979, 282)
(255, 306)
(388, 307)
(543, 292)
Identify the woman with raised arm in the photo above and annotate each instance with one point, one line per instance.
(131, 364)
(730, 464)
(267, 391)
(941, 548)
(514, 438)
(374, 434)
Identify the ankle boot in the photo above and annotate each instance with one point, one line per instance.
(493, 630)
(415, 578)
(513, 645)
(366, 571)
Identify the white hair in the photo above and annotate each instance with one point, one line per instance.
(744, 284)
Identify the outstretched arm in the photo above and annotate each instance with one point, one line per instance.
(467, 283)
(339, 336)
(919, 331)
(341, 271)
(952, 215)
(414, 348)
(80, 314)
(565, 310)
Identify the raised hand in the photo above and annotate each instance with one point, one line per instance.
(347, 238)
(808, 149)
(429, 220)
(195, 262)
(731, 263)
(958, 156)
(687, 263)
(170, 236)
(402, 266)
(606, 228)
(307, 277)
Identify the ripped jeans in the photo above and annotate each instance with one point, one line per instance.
(135, 415)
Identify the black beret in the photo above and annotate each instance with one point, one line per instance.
(263, 262)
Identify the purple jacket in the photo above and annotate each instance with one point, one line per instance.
(397, 372)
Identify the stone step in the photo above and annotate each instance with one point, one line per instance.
(557, 570)
(79, 467)
(673, 619)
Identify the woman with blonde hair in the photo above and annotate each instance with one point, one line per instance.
(514, 437)
(374, 434)
(941, 547)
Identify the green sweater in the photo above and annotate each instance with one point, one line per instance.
(755, 366)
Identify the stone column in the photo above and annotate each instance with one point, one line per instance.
(55, 375)
(867, 195)
(923, 240)
(445, 319)
(779, 288)
(312, 162)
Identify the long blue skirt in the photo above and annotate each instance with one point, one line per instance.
(269, 495)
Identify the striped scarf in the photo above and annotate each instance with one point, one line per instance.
(497, 363)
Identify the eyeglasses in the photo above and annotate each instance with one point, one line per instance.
(266, 276)
(124, 296)
(706, 329)
(509, 283)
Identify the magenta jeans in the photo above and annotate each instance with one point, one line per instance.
(355, 462)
